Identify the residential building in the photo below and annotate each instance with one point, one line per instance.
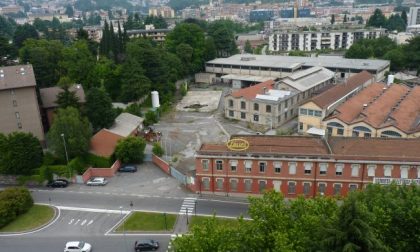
(285, 41)
(379, 110)
(312, 112)
(49, 100)
(163, 11)
(94, 32)
(19, 109)
(272, 104)
(413, 16)
(157, 35)
(282, 66)
(306, 166)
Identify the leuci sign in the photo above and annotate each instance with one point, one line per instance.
(237, 144)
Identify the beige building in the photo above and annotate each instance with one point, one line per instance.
(272, 104)
(19, 109)
(157, 35)
(164, 11)
(312, 112)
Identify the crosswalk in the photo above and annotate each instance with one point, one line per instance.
(80, 222)
(188, 206)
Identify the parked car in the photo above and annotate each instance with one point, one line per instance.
(98, 181)
(58, 183)
(77, 246)
(146, 245)
(128, 168)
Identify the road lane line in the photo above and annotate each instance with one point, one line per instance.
(77, 222)
(83, 222)
(90, 222)
(71, 221)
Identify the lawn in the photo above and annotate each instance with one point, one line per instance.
(199, 220)
(143, 221)
(37, 216)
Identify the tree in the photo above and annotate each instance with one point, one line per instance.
(332, 19)
(130, 150)
(395, 23)
(377, 19)
(69, 11)
(134, 84)
(248, 47)
(6, 50)
(345, 18)
(67, 98)
(99, 108)
(21, 153)
(24, 32)
(223, 36)
(404, 16)
(158, 150)
(75, 129)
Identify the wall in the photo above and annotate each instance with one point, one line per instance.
(162, 164)
(101, 172)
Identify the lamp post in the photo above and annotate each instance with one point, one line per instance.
(186, 211)
(65, 150)
(166, 224)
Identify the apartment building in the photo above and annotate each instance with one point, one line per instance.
(307, 166)
(19, 109)
(285, 41)
(413, 16)
(157, 35)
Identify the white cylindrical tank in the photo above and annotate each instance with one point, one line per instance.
(155, 99)
(390, 79)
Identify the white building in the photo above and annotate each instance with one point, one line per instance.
(414, 16)
(317, 40)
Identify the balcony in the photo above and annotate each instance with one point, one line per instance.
(397, 181)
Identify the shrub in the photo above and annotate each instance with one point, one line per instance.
(46, 173)
(150, 118)
(32, 179)
(77, 165)
(134, 109)
(130, 150)
(96, 161)
(60, 170)
(14, 202)
(157, 150)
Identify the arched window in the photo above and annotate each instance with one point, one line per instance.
(390, 133)
(366, 132)
(340, 128)
(335, 125)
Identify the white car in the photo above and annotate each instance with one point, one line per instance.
(77, 246)
(97, 181)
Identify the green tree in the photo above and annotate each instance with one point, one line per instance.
(345, 18)
(69, 11)
(395, 23)
(75, 129)
(397, 57)
(332, 19)
(158, 150)
(67, 98)
(24, 32)
(130, 150)
(404, 16)
(378, 19)
(6, 50)
(248, 47)
(99, 108)
(8, 27)
(223, 37)
(412, 51)
(134, 84)
(21, 153)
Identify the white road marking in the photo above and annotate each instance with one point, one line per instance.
(77, 222)
(90, 222)
(83, 222)
(71, 221)
(187, 206)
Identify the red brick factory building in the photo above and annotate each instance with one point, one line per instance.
(296, 165)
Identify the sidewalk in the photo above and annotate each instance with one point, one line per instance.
(181, 226)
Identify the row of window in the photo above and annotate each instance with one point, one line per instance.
(310, 112)
(308, 168)
(359, 131)
(256, 106)
(262, 185)
(274, 69)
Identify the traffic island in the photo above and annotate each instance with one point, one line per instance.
(147, 222)
(35, 218)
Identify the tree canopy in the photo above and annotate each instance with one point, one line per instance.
(99, 109)
(130, 150)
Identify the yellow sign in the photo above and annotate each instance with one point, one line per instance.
(237, 144)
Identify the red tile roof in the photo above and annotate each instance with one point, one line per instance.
(251, 92)
(104, 142)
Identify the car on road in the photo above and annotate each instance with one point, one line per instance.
(98, 181)
(58, 183)
(146, 245)
(77, 246)
(128, 168)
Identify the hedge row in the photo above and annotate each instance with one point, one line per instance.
(14, 202)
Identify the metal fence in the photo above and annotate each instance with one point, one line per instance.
(179, 176)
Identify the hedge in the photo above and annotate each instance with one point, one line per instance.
(97, 161)
(14, 202)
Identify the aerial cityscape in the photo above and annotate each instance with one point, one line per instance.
(210, 125)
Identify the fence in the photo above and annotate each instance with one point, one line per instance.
(99, 172)
(162, 164)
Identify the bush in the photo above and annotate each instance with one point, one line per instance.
(77, 165)
(150, 118)
(60, 170)
(14, 202)
(25, 180)
(96, 161)
(157, 150)
(130, 150)
(134, 109)
(46, 173)
(184, 89)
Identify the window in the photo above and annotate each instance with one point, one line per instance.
(19, 124)
(262, 166)
(339, 169)
(248, 185)
(353, 187)
(308, 168)
(243, 115)
(404, 171)
(261, 185)
(248, 166)
(285, 104)
(329, 131)
(321, 188)
(310, 112)
(387, 170)
(14, 103)
(231, 113)
(17, 115)
(337, 189)
(340, 128)
(303, 111)
(300, 126)
(256, 118)
(318, 113)
(306, 188)
(291, 187)
(390, 133)
(292, 168)
(233, 186)
(205, 164)
(230, 103)
(219, 165)
(340, 131)
(219, 184)
(243, 105)
(256, 107)
(206, 183)
(371, 170)
(233, 165)
(12, 92)
(323, 169)
(355, 170)
(366, 132)
(277, 167)
(268, 108)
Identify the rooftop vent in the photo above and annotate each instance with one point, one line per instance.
(365, 63)
(365, 105)
(248, 58)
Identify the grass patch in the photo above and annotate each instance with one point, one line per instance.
(200, 220)
(36, 216)
(143, 221)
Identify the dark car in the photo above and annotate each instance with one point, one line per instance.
(146, 245)
(58, 183)
(128, 168)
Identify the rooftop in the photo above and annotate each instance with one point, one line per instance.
(20, 76)
(250, 78)
(49, 95)
(125, 124)
(306, 79)
(293, 62)
(251, 92)
(104, 142)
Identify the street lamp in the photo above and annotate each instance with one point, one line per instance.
(65, 150)
(186, 211)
